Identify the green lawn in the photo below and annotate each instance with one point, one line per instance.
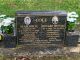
(9, 7)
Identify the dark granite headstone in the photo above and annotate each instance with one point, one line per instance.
(40, 28)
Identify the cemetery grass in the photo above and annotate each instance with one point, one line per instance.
(9, 7)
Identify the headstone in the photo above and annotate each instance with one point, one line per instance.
(39, 28)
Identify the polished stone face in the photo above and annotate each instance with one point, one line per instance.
(41, 30)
